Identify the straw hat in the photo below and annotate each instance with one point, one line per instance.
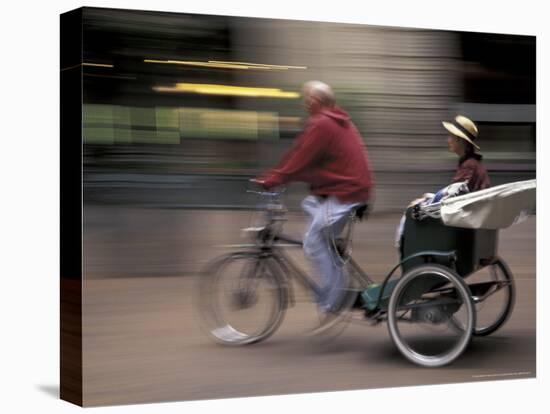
(464, 128)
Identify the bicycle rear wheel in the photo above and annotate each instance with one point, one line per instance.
(243, 299)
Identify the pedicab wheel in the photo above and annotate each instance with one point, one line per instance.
(242, 299)
(420, 310)
(495, 304)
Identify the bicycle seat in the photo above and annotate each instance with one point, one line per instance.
(362, 211)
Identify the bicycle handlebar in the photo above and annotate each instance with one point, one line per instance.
(266, 193)
(262, 191)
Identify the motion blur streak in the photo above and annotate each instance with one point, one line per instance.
(227, 90)
(101, 65)
(202, 64)
(262, 65)
(225, 65)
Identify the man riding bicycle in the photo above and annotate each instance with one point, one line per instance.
(329, 154)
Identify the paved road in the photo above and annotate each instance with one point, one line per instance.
(143, 343)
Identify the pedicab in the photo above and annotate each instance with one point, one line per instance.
(449, 286)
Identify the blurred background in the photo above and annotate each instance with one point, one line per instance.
(180, 111)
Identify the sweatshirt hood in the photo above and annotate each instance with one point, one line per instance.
(336, 113)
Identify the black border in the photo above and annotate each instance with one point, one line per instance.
(71, 207)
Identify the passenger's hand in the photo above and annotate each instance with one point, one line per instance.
(415, 202)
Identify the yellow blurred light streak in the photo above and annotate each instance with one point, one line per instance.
(199, 64)
(259, 65)
(224, 64)
(103, 65)
(212, 89)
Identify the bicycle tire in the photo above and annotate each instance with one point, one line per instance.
(216, 323)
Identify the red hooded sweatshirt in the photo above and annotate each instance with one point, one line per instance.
(329, 155)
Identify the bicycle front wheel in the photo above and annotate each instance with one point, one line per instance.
(243, 298)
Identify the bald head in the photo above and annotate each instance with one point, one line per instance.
(317, 95)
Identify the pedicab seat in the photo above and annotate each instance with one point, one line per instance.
(474, 248)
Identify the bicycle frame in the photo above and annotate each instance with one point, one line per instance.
(292, 270)
(272, 244)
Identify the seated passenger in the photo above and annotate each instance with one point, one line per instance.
(471, 171)
(462, 134)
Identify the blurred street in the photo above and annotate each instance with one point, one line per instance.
(143, 341)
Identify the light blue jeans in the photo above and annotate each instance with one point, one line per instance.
(328, 217)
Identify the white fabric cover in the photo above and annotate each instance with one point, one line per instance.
(494, 208)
